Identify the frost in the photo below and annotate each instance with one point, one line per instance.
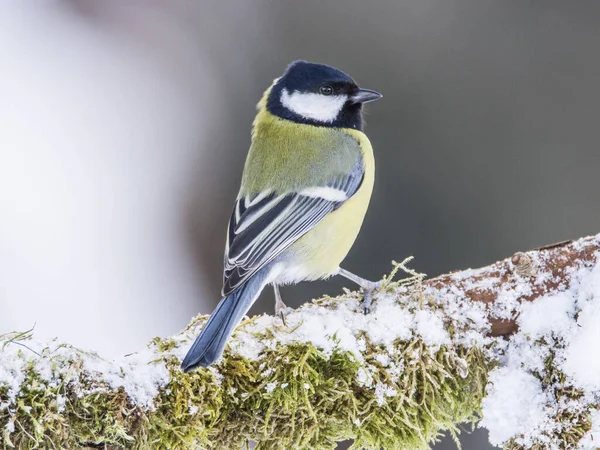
(218, 375)
(364, 378)
(61, 401)
(383, 359)
(270, 387)
(266, 373)
(382, 391)
(10, 427)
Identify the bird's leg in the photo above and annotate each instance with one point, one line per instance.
(281, 310)
(368, 287)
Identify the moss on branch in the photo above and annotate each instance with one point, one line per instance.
(307, 400)
(396, 379)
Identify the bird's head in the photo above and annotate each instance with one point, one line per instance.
(320, 95)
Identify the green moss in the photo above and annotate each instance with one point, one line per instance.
(308, 401)
(431, 397)
(304, 403)
(185, 410)
(50, 415)
(292, 397)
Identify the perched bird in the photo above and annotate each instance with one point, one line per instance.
(305, 190)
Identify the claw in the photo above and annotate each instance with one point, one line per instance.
(368, 296)
(282, 311)
(366, 305)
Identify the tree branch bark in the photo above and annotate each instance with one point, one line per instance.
(544, 269)
(417, 366)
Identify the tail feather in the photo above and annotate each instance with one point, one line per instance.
(210, 343)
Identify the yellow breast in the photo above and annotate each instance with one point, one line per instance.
(321, 250)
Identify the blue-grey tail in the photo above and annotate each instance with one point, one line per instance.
(210, 343)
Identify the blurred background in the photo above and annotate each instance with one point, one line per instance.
(124, 128)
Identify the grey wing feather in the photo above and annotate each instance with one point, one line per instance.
(260, 228)
(350, 183)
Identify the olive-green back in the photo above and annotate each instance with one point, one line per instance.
(286, 156)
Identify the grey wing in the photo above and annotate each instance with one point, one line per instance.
(263, 226)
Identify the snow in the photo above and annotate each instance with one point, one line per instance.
(581, 355)
(141, 375)
(563, 325)
(270, 387)
(346, 328)
(580, 362)
(137, 374)
(382, 391)
(508, 300)
(364, 377)
(12, 374)
(343, 327)
(61, 402)
(431, 328)
(10, 427)
(551, 314)
(267, 372)
(329, 329)
(514, 404)
(383, 359)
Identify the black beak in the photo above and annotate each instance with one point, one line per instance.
(365, 96)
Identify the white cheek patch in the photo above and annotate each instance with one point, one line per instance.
(322, 108)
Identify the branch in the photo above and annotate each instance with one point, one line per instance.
(417, 366)
(530, 276)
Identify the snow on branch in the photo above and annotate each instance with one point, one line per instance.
(515, 342)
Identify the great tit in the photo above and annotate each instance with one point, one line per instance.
(305, 190)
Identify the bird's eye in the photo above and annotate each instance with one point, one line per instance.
(326, 90)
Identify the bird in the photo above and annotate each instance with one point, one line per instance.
(305, 189)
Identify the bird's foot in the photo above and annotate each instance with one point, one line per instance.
(368, 290)
(367, 287)
(281, 311)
